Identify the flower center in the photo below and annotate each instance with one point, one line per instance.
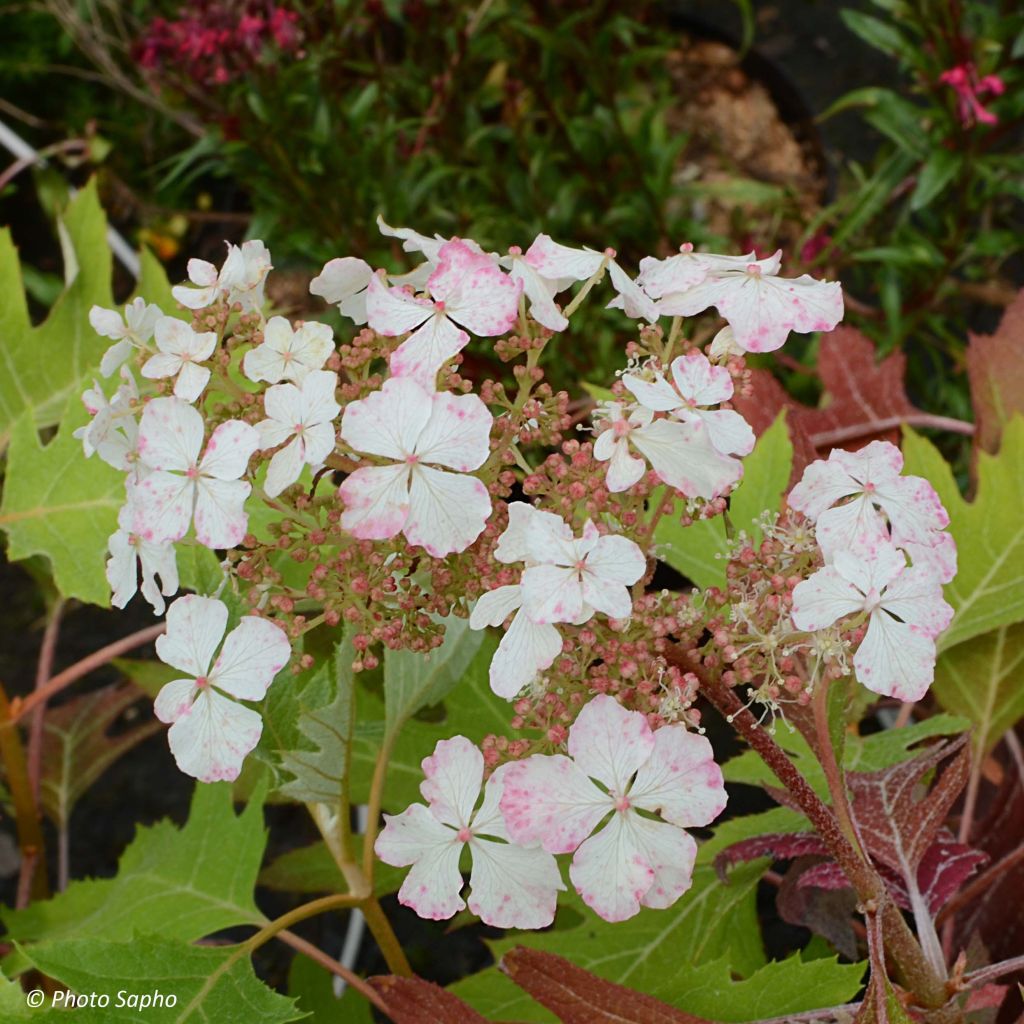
(753, 270)
(621, 428)
(622, 804)
(869, 488)
(192, 472)
(412, 460)
(872, 599)
(439, 305)
(202, 682)
(464, 835)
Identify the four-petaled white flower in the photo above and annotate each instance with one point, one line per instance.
(113, 431)
(871, 479)
(761, 307)
(561, 263)
(182, 485)
(288, 353)
(905, 612)
(467, 290)
(305, 413)
(539, 290)
(571, 574)
(132, 556)
(527, 647)
(241, 279)
(661, 279)
(618, 424)
(510, 886)
(210, 734)
(343, 283)
(131, 331)
(181, 352)
(442, 512)
(633, 860)
(698, 384)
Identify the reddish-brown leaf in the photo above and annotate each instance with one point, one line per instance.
(897, 822)
(995, 370)
(576, 996)
(777, 845)
(827, 912)
(415, 1001)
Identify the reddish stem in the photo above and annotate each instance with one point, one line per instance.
(915, 419)
(44, 669)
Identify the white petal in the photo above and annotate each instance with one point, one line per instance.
(617, 559)
(285, 468)
(220, 517)
(392, 311)
(624, 469)
(447, 511)
(938, 556)
(914, 509)
(457, 435)
(115, 356)
(229, 449)
(548, 800)
(606, 596)
(170, 434)
(872, 570)
(376, 500)
(680, 780)
(388, 422)
(512, 887)
(555, 261)
(539, 291)
(107, 323)
(195, 626)
(191, 381)
(855, 526)
(311, 347)
(320, 440)
(453, 775)
(341, 278)
(427, 349)
(552, 593)
(495, 607)
(670, 852)
(413, 241)
(210, 740)
(729, 432)
(824, 598)
(161, 365)
(318, 390)
(252, 655)
(611, 873)
(549, 540)
(273, 432)
(657, 395)
(894, 659)
(158, 560)
(476, 293)
(631, 298)
(915, 596)
(122, 571)
(526, 649)
(823, 484)
(174, 700)
(609, 743)
(699, 381)
(523, 521)
(162, 507)
(682, 455)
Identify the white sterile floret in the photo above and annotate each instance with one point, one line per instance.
(288, 353)
(241, 279)
(181, 350)
(303, 415)
(343, 283)
(210, 733)
(618, 766)
(181, 486)
(905, 611)
(113, 431)
(132, 557)
(510, 886)
(132, 331)
(433, 442)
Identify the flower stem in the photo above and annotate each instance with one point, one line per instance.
(830, 764)
(386, 939)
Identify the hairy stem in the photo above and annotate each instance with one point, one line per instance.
(833, 773)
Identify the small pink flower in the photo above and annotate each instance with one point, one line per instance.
(964, 81)
(618, 766)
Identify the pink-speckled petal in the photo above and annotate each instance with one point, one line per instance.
(477, 294)
(872, 569)
(392, 311)
(211, 738)
(376, 500)
(938, 555)
(611, 870)
(220, 516)
(162, 507)
(555, 261)
(914, 509)
(229, 449)
(170, 434)
(427, 349)
(616, 559)
(915, 596)
(894, 659)
(823, 599)
(548, 800)
(856, 526)
(823, 483)
(878, 462)
(683, 457)
(552, 593)
(540, 293)
(340, 280)
(680, 780)
(523, 523)
(632, 299)
(624, 469)
(526, 649)
(670, 852)
(657, 395)
(195, 626)
(388, 422)
(457, 435)
(728, 431)
(699, 381)
(512, 887)
(609, 743)
(447, 511)
(453, 775)
(253, 653)
(174, 700)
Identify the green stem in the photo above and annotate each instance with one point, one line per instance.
(386, 939)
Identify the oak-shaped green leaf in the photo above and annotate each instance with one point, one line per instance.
(182, 883)
(210, 984)
(698, 550)
(988, 589)
(58, 504)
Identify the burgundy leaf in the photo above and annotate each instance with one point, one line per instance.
(945, 867)
(995, 369)
(576, 996)
(415, 1001)
(826, 875)
(896, 820)
(826, 912)
(777, 845)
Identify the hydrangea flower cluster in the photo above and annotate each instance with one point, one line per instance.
(369, 483)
